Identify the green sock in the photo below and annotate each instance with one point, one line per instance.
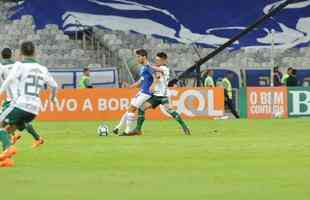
(29, 128)
(140, 120)
(5, 139)
(177, 117)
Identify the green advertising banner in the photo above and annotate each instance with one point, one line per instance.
(243, 109)
(299, 101)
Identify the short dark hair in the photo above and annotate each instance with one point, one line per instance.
(207, 72)
(162, 55)
(276, 68)
(85, 69)
(6, 53)
(141, 52)
(27, 48)
(290, 68)
(294, 72)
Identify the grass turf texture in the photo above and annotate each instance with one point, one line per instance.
(243, 160)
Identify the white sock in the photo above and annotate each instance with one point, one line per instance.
(131, 122)
(122, 122)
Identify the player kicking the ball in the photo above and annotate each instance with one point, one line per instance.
(160, 95)
(129, 119)
(30, 78)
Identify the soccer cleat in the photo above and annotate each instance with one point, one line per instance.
(186, 131)
(15, 138)
(115, 131)
(123, 134)
(7, 163)
(37, 143)
(8, 153)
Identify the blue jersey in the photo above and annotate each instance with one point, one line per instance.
(146, 74)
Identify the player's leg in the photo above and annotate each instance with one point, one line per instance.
(229, 103)
(29, 128)
(38, 140)
(131, 119)
(8, 149)
(14, 136)
(179, 119)
(153, 102)
(175, 115)
(5, 139)
(141, 115)
(24, 123)
(7, 115)
(10, 117)
(136, 103)
(121, 124)
(16, 120)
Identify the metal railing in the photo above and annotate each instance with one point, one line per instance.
(103, 52)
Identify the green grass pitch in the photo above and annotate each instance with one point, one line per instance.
(263, 159)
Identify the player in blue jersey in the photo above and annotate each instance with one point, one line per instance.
(145, 82)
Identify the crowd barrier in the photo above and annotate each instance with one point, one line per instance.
(101, 77)
(193, 103)
(110, 104)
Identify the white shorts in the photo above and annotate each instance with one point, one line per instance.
(140, 99)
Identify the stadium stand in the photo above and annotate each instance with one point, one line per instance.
(55, 49)
(182, 55)
(116, 48)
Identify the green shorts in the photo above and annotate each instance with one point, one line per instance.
(17, 117)
(157, 100)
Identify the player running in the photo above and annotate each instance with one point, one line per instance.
(30, 78)
(11, 93)
(160, 95)
(145, 82)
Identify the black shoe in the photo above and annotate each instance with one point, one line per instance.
(123, 134)
(186, 131)
(115, 131)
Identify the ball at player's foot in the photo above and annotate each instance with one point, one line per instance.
(103, 130)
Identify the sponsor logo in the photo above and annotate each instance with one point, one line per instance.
(198, 102)
(267, 102)
(109, 104)
(299, 102)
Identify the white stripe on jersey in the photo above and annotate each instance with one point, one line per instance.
(7, 111)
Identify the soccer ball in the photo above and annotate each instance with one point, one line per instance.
(103, 130)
